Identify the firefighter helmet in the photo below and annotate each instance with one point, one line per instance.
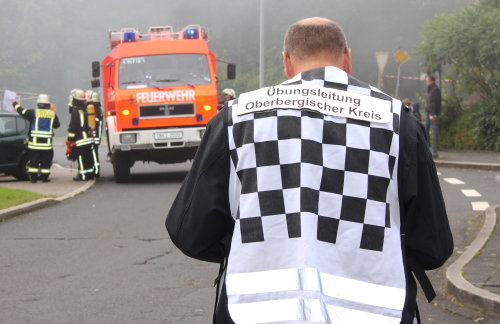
(78, 94)
(95, 97)
(229, 92)
(88, 95)
(43, 99)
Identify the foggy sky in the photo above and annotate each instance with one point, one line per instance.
(47, 46)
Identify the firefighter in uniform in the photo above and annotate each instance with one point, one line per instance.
(318, 196)
(80, 138)
(228, 94)
(95, 120)
(42, 122)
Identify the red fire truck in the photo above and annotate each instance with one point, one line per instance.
(159, 92)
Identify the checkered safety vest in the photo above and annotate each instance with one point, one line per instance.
(41, 128)
(314, 195)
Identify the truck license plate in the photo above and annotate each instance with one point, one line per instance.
(168, 135)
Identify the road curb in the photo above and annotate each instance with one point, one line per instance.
(458, 287)
(467, 165)
(42, 203)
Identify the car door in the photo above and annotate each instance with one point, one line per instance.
(13, 133)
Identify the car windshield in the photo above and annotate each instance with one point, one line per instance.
(163, 71)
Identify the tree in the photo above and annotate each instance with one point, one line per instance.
(465, 42)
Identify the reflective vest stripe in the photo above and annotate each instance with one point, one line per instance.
(317, 312)
(84, 141)
(45, 171)
(35, 146)
(43, 134)
(82, 118)
(33, 170)
(312, 280)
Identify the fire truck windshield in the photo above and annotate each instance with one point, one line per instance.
(163, 70)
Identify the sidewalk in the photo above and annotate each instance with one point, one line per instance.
(61, 186)
(468, 160)
(474, 278)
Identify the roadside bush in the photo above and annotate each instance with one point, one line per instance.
(475, 127)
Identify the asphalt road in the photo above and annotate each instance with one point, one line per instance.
(105, 257)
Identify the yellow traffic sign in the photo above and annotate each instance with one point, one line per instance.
(401, 55)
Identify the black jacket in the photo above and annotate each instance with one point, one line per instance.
(78, 128)
(433, 100)
(201, 225)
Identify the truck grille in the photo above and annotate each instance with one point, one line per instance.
(166, 110)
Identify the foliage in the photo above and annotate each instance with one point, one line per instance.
(488, 126)
(14, 197)
(466, 43)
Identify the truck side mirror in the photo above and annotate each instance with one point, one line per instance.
(95, 83)
(231, 71)
(96, 69)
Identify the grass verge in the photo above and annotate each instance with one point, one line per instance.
(14, 197)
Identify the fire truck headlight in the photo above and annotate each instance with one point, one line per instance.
(207, 107)
(128, 138)
(125, 112)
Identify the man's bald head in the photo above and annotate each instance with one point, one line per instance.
(312, 37)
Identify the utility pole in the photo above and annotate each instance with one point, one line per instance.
(261, 45)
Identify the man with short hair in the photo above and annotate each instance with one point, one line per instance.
(318, 196)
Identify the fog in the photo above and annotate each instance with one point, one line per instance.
(48, 46)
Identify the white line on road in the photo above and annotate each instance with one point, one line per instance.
(470, 193)
(480, 205)
(454, 181)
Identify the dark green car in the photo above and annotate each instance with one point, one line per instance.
(13, 145)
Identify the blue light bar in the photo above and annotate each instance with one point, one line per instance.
(128, 37)
(191, 33)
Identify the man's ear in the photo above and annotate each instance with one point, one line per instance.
(287, 65)
(348, 61)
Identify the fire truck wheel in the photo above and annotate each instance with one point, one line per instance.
(121, 169)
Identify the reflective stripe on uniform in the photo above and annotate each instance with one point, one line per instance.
(44, 134)
(71, 134)
(45, 171)
(312, 280)
(318, 312)
(33, 170)
(82, 118)
(84, 141)
(35, 146)
(96, 161)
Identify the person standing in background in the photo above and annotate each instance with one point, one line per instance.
(433, 110)
(80, 136)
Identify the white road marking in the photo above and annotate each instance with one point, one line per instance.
(480, 205)
(470, 193)
(454, 181)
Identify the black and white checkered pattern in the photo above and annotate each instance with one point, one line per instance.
(297, 163)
